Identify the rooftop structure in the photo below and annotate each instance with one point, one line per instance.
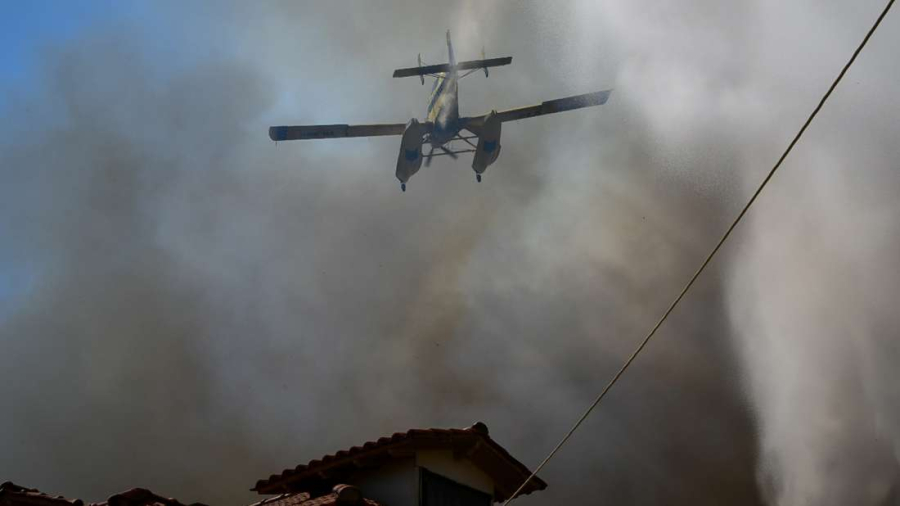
(141, 497)
(16, 495)
(408, 468)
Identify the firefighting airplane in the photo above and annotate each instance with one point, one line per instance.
(443, 125)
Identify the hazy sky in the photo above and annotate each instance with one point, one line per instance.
(188, 308)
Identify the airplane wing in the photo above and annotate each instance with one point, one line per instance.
(291, 133)
(548, 107)
(554, 106)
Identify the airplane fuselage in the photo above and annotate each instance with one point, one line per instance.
(443, 109)
(443, 106)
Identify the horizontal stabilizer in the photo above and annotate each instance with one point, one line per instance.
(291, 133)
(483, 64)
(445, 67)
(422, 71)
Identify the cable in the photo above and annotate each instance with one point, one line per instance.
(708, 258)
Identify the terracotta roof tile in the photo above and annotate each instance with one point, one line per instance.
(12, 494)
(294, 499)
(141, 497)
(507, 472)
(343, 495)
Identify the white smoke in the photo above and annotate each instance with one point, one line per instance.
(812, 279)
(206, 309)
(812, 298)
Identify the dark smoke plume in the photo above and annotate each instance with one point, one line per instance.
(197, 309)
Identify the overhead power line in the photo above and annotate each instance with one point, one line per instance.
(708, 258)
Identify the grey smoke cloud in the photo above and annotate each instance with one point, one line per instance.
(207, 308)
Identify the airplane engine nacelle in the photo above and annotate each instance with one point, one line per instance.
(410, 159)
(488, 148)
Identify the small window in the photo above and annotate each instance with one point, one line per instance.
(435, 490)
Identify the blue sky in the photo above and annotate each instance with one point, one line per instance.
(26, 29)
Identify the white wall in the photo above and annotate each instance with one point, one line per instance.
(394, 484)
(460, 470)
(397, 483)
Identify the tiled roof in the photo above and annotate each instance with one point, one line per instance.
(343, 495)
(473, 443)
(12, 494)
(141, 497)
(293, 499)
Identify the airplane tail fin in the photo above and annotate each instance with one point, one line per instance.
(421, 76)
(452, 59)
